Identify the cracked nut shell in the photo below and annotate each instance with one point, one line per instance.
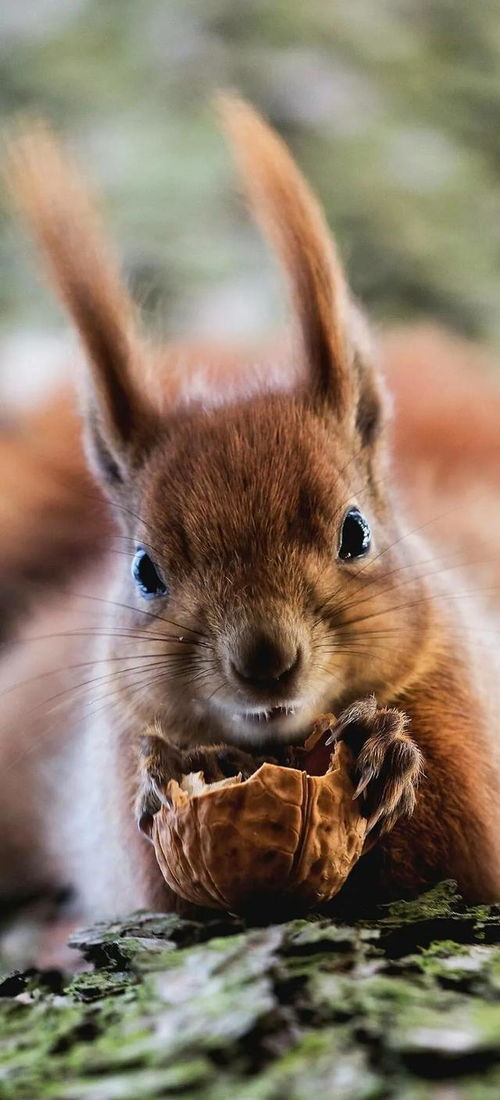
(282, 837)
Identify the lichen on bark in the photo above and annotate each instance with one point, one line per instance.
(402, 1006)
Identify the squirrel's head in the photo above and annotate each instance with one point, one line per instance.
(258, 584)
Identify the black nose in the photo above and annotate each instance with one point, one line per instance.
(264, 661)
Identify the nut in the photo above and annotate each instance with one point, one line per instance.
(281, 838)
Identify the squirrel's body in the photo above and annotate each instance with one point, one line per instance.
(237, 506)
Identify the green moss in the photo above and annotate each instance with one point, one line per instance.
(442, 902)
(305, 1008)
(98, 984)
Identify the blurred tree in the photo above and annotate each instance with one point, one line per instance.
(393, 110)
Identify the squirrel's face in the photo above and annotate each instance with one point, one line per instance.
(264, 552)
(262, 574)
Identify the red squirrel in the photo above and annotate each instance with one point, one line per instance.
(261, 571)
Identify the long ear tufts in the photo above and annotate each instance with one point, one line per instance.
(291, 218)
(57, 205)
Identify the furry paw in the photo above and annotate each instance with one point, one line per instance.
(160, 761)
(388, 764)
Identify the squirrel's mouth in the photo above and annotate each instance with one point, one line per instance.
(281, 716)
(290, 720)
(266, 717)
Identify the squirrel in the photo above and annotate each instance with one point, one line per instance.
(257, 571)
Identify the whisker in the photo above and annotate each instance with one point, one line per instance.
(425, 599)
(74, 688)
(137, 610)
(122, 508)
(377, 583)
(90, 664)
(122, 632)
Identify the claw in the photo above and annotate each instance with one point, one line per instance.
(388, 762)
(148, 804)
(145, 825)
(159, 794)
(363, 783)
(374, 819)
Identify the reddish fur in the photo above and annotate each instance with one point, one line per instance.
(241, 505)
(45, 490)
(446, 442)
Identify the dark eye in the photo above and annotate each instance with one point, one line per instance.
(146, 576)
(355, 538)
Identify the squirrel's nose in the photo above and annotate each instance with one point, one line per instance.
(265, 661)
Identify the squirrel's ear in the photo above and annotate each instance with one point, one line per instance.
(292, 219)
(58, 208)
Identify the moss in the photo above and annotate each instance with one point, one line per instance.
(305, 1007)
(440, 903)
(98, 984)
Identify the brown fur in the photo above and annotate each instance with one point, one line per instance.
(239, 498)
(446, 445)
(45, 490)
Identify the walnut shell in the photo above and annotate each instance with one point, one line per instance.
(280, 838)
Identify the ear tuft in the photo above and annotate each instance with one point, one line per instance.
(61, 214)
(291, 218)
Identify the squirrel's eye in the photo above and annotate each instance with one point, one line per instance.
(146, 576)
(355, 538)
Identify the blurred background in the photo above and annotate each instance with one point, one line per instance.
(393, 110)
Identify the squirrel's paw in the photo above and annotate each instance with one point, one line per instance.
(388, 763)
(160, 761)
